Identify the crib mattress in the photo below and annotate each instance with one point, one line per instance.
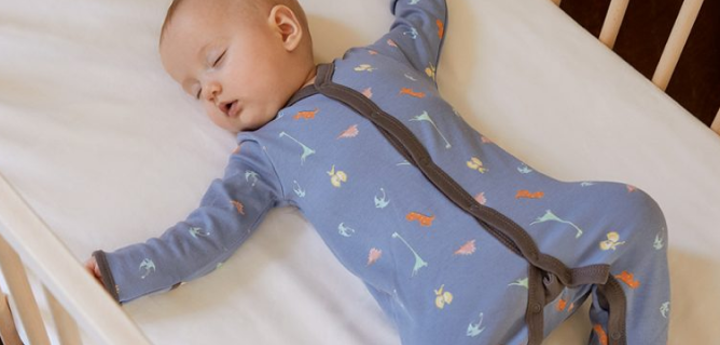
(108, 151)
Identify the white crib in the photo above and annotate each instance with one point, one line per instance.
(493, 87)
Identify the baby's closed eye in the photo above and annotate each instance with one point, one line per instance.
(215, 63)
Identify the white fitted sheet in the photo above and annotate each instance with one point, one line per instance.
(109, 151)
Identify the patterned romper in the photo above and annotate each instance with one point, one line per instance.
(457, 240)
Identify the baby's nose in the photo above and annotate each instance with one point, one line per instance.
(213, 91)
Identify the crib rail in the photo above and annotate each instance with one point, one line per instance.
(74, 297)
(673, 48)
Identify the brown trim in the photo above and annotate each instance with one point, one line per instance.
(106, 275)
(535, 306)
(547, 276)
(305, 92)
(615, 297)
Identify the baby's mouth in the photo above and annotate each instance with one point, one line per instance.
(231, 109)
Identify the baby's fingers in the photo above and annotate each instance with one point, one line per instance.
(92, 267)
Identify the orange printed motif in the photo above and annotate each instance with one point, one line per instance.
(372, 52)
(630, 188)
(239, 206)
(441, 28)
(467, 248)
(307, 115)
(561, 304)
(526, 194)
(423, 219)
(373, 256)
(236, 150)
(391, 43)
(629, 279)
(368, 92)
(602, 336)
(351, 132)
(480, 197)
(410, 92)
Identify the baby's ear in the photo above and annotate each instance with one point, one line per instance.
(286, 24)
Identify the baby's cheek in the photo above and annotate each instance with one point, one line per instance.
(216, 117)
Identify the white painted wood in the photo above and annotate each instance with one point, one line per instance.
(613, 21)
(67, 330)
(8, 331)
(20, 291)
(92, 308)
(676, 42)
(716, 123)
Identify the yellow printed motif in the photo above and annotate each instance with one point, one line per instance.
(336, 178)
(475, 164)
(442, 298)
(430, 71)
(612, 241)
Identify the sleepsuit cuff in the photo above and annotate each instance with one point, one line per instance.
(106, 275)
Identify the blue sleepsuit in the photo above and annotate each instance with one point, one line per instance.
(457, 240)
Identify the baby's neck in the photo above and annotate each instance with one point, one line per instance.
(310, 79)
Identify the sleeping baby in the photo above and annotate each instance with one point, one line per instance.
(457, 240)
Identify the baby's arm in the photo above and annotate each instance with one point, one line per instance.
(417, 34)
(230, 210)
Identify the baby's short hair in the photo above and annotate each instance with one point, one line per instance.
(292, 4)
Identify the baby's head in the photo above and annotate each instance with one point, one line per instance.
(243, 59)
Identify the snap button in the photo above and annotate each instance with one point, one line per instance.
(374, 115)
(616, 335)
(474, 208)
(537, 308)
(424, 161)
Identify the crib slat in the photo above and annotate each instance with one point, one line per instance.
(67, 329)
(28, 311)
(613, 21)
(676, 42)
(716, 123)
(63, 275)
(8, 332)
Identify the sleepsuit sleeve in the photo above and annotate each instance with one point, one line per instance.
(417, 34)
(229, 212)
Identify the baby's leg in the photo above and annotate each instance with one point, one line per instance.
(639, 277)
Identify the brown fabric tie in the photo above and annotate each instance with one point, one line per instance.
(547, 276)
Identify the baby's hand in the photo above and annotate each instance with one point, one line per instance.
(92, 267)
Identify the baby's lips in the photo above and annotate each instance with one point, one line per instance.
(230, 109)
(234, 110)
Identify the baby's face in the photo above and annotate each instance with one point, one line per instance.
(234, 60)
